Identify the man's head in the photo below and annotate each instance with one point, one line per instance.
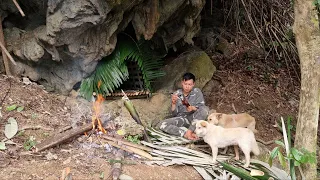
(188, 82)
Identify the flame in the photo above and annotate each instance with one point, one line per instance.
(97, 112)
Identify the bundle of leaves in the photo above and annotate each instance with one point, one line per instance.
(171, 150)
(112, 70)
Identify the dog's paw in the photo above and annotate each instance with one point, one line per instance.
(214, 161)
(237, 158)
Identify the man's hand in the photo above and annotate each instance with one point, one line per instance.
(191, 108)
(174, 98)
(190, 135)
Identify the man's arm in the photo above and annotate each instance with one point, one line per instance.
(198, 102)
(174, 108)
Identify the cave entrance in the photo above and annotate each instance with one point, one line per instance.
(134, 86)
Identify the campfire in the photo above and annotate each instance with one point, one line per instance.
(97, 113)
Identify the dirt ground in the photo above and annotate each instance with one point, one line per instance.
(259, 88)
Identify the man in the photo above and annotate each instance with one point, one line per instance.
(185, 113)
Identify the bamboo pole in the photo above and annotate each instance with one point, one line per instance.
(19, 8)
(119, 141)
(7, 53)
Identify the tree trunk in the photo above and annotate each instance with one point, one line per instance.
(307, 33)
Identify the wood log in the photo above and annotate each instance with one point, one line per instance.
(60, 138)
(4, 56)
(116, 167)
(131, 150)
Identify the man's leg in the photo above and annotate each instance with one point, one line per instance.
(172, 125)
(200, 114)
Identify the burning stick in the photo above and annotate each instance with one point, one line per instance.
(97, 111)
(134, 114)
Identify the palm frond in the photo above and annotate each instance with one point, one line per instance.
(149, 63)
(112, 70)
(169, 151)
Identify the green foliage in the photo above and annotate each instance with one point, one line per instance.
(134, 139)
(241, 173)
(112, 70)
(2, 145)
(12, 107)
(294, 156)
(101, 176)
(19, 109)
(30, 143)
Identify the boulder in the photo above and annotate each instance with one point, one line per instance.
(196, 62)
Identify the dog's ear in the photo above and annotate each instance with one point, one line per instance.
(212, 111)
(219, 116)
(203, 124)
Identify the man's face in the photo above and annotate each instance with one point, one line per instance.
(187, 85)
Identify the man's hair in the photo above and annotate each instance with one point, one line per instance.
(187, 76)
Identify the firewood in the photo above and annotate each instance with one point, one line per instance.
(116, 167)
(60, 138)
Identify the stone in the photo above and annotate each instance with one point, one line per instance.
(26, 81)
(196, 62)
(125, 177)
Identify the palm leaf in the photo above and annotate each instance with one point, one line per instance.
(112, 70)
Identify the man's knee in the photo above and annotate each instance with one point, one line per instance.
(204, 109)
(202, 113)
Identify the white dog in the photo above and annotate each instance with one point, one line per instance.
(219, 137)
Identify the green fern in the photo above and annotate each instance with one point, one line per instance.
(112, 70)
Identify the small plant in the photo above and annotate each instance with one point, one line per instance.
(34, 116)
(134, 139)
(21, 133)
(294, 156)
(30, 143)
(13, 107)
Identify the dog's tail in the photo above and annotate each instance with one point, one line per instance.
(255, 148)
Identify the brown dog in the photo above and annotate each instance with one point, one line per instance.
(219, 137)
(233, 120)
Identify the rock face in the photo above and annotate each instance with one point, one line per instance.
(60, 41)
